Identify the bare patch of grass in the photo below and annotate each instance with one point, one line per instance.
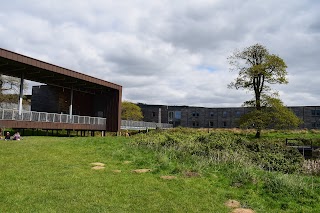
(191, 174)
(232, 204)
(168, 177)
(141, 170)
(242, 210)
(97, 164)
(98, 168)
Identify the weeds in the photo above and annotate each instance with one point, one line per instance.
(311, 167)
(224, 147)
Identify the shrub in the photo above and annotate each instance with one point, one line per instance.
(224, 147)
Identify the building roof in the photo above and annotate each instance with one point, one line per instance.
(16, 65)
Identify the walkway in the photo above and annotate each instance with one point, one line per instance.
(10, 118)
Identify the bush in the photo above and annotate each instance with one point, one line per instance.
(224, 147)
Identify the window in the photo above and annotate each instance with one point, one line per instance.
(238, 114)
(195, 114)
(153, 114)
(224, 114)
(170, 116)
(195, 123)
(224, 123)
(177, 115)
(211, 114)
(315, 112)
(210, 123)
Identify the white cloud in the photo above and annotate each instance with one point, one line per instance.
(169, 52)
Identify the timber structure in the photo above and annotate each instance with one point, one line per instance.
(75, 95)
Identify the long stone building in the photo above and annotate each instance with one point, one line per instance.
(226, 117)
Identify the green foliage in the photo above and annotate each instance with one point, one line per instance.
(258, 69)
(131, 111)
(257, 168)
(222, 147)
(51, 174)
(273, 114)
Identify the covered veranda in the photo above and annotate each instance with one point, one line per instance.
(98, 101)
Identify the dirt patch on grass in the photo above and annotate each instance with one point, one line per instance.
(191, 174)
(98, 167)
(168, 177)
(127, 162)
(97, 164)
(235, 205)
(242, 210)
(232, 204)
(141, 170)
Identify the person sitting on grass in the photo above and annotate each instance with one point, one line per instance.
(7, 137)
(16, 136)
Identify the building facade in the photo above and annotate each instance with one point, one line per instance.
(226, 117)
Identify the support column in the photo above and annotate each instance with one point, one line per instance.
(159, 117)
(21, 94)
(70, 108)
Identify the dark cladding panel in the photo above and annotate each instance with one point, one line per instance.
(99, 105)
(113, 110)
(44, 99)
(82, 104)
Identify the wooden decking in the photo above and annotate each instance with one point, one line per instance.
(15, 124)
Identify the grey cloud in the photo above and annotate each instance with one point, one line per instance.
(154, 48)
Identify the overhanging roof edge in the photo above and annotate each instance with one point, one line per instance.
(7, 54)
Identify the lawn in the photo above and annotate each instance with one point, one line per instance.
(51, 174)
(54, 174)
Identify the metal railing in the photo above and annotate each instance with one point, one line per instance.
(141, 125)
(13, 114)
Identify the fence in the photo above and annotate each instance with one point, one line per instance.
(141, 125)
(12, 114)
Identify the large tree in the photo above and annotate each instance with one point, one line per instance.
(131, 111)
(9, 89)
(258, 69)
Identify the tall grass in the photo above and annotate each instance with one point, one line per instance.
(51, 174)
(223, 147)
(263, 167)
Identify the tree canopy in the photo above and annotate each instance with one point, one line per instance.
(131, 111)
(258, 69)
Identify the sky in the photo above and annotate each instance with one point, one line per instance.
(169, 52)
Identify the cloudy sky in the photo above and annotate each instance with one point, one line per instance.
(169, 51)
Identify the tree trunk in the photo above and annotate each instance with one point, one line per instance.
(258, 107)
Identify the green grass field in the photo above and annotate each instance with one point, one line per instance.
(54, 174)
